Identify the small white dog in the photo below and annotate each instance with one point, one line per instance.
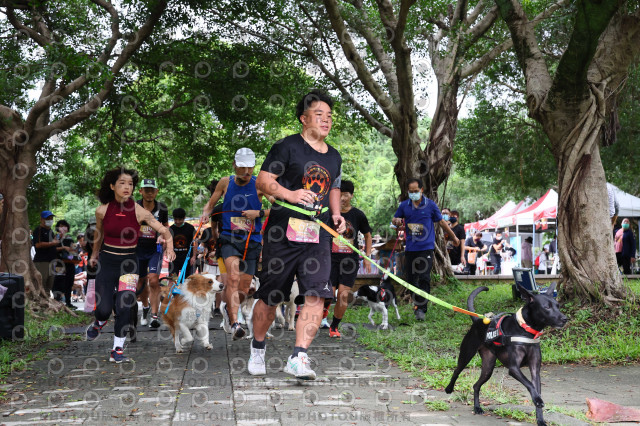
(192, 308)
(289, 317)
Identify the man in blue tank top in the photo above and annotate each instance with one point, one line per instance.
(240, 239)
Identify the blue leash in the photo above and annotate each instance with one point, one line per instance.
(175, 289)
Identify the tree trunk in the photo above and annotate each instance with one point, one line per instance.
(585, 240)
(17, 167)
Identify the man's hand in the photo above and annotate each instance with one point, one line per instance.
(303, 196)
(170, 255)
(339, 223)
(397, 221)
(204, 218)
(251, 214)
(456, 241)
(93, 262)
(192, 261)
(462, 260)
(366, 265)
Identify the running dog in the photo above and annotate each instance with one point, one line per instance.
(514, 340)
(280, 319)
(191, 308)
(379, 298)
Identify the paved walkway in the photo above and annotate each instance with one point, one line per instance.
(77, 384)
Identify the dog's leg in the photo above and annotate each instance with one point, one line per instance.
(393, 302)
(488, 364)
(468, 348)
(371, 316)
(291, 316)
(202, 332)
(279, 317)
(176, 340)
(516, 355)
(184, 330)
(385, 318)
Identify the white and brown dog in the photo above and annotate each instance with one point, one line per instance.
(192, 308)
(280, 320)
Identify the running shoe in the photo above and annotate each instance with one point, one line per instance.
(93, 331)
(324, 323)
(257, 365)
(145, 315)
(155, 322)
(117, 356)
(237, 331)
(299, 367)
(333, 332)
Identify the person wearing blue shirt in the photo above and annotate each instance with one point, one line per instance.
(419, 214)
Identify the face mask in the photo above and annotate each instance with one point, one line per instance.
(498, 238)
(180, 226)
(48, 223)
(415, 196)
(453, 219)
(445, 216)
(625, 226)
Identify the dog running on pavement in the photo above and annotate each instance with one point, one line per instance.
(379, 299)
(514, 340)
(191, 308)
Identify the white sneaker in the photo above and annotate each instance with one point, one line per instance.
(324, 323)
(226, 325)
(257, 366)
(145, 316)
(299, 367)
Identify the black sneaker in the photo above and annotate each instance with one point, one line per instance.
(155, 322)
(117, 356)
(217, 313)
(237, 331)
(93, 331)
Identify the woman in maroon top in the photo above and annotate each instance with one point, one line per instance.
(118, 221)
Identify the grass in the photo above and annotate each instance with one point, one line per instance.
(429, 349)
(40, 335)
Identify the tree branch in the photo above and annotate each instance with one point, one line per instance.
(115, 29)
(34, 35)
(352, 55)
(90, 106)
(528, 53)
(175, 106)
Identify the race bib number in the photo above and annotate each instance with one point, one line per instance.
(128, 282)
(415, 228)
(339, 247)
(241, 223)
(147, 232)
(303, 231)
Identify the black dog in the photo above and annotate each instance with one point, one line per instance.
(379, 299)
(513, 339)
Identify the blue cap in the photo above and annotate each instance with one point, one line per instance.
(46, 213)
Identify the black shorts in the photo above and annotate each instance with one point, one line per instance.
(150, 262)
(282, 261)
(344, 270)
(234, 247)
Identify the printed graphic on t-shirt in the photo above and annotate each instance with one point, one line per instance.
(241, 223)
(317, 179)
(147, 232)
(415, 228)
(303, 231)
(180, 243)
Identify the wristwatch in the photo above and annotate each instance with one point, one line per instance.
(261, 213)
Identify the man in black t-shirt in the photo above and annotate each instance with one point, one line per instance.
(149, 253)
(344, 261)
(45, 244)
(302, 172)
(183, 234)
(473, 248)
(456, 252)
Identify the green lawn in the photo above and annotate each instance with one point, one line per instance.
(40, 335)
(430, 349)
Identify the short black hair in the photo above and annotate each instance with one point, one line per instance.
(315, 95)
(455, 213)
(347, 186)
(212, 186)
(420, 184)
(105, 193)
(179, 213)
(63, 222)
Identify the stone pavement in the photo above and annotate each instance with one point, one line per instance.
(77, 384)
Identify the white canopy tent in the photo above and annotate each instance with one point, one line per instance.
(628, 205)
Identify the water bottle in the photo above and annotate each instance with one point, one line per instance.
(159, 248)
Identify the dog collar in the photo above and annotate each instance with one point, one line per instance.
(525, 326)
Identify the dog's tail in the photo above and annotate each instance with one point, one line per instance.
(472, 297)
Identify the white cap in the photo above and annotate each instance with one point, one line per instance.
(245, 158)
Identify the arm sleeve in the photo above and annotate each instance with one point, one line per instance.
(435, 214)
(399, 212)
(338, 180)
(364, 224)
(277, 159)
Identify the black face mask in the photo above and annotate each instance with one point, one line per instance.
(453, 219)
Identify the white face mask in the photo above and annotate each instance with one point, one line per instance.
(48, 223)
(415, 196)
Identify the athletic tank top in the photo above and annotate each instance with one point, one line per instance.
(120, 225)
(237, 199)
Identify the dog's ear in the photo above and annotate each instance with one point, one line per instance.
(526, 294)
(551, 288)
